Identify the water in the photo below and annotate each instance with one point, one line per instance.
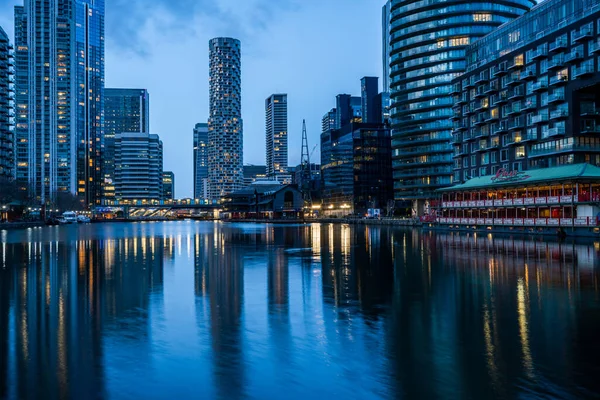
(206, 310)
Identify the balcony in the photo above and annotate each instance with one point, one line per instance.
(459, 127)
(479, 134)
(516, 94)
(457, 138)
(515, 65)
(556, 98)
(491, 88)
(559, 80)
(539, 54)
(515, 124)
(514, 110)
(582, 35)
(502, 128)
(583, 72)
(493, 145)
(499, 70)
(529, 105)
(590, 129)
(481, 106)
(481, 118)
(501, 99)
(455, 89)
(470, 83)
(573, 57)
(491, 118)
(482, 78)
(559, 114)
(540, 118)
(514, 79)
(556, 63)
(456, 115)
(539, 87)
(556, 131)
(595, 47)
(529, 74)
(481, 92)
(481, 147)
(515, 138)
(557, 46)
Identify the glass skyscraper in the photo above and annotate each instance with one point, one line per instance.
(427, 51)
(201, 161)
(276, 127)
(225, 136)
(60, 97)
(125, 111)
(7, 160)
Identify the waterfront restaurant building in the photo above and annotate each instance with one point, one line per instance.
(541, 199)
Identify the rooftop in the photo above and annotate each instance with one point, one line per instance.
(506, 178)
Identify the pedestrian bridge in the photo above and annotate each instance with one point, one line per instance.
(170, 209)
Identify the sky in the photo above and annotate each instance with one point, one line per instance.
(310, 49)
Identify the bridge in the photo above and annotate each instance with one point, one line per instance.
(158, 210)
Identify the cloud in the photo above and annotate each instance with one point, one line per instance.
(127, 19)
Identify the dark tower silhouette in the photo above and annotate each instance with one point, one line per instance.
(306, 170)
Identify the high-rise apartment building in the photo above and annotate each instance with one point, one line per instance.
(125, 111)
(201, 161)
(7, 155)
(428, 42)
(138, 167)
(168, 189)
(533, 102)
(348, 109)
(276, 133)
(60, 97)
(225, 135)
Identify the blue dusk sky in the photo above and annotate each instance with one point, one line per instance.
(309, 49)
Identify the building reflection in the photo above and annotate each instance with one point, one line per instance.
(58, 300)
(219, 277)
(475, 313)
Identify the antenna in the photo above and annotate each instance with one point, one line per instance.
(306, 167)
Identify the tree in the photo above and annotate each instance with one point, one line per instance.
(390, 207)
(66, 201)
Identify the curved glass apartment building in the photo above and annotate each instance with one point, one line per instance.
(428, 39)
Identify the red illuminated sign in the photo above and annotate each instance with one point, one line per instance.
(504, 175)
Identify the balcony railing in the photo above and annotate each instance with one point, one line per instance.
(539, 86)
(559, 114)
(583, 34)
(556, 97)
(584, 71)
(559, 80)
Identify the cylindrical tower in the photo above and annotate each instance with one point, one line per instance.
(225, 137)
(428, 39)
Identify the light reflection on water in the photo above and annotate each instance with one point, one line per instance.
(207, 310)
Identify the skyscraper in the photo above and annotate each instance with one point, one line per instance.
(125, 111)
(276, 122)
(225, 136)
(371, 106)
(385, 44)
(201, 161)
(138, 167)
(7, 160)
(60, 97)
(428, 42)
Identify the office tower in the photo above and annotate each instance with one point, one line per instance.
(385, 44)
(276, 133)
(201, 161)
(370, 105)
(168, 189)
(328, 121)
(428, 43)
(60, 88)
(125, 111)
(531, 103)
(225, 136)
(7, 155)
(138, 167)
(348, 108)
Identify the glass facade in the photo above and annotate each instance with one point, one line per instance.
(201, 161)
(7, 159)
(428, 40)
(225, 136)
(276, 136)
(529, 98)
(125, 111)
(60, 98)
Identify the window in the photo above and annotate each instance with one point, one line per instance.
(483, 171)
(504, 155)
(474, 173)
(494, 156)
(473, 160)
(517, 166)
(466, 162)
(485, 158)
(520, 152)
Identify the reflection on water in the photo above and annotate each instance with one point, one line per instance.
(189, 310)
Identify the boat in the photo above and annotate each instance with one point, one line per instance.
(68, 217)
(82, 219)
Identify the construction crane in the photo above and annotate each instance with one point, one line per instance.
(306, 167)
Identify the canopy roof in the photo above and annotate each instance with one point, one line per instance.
(506, 178)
